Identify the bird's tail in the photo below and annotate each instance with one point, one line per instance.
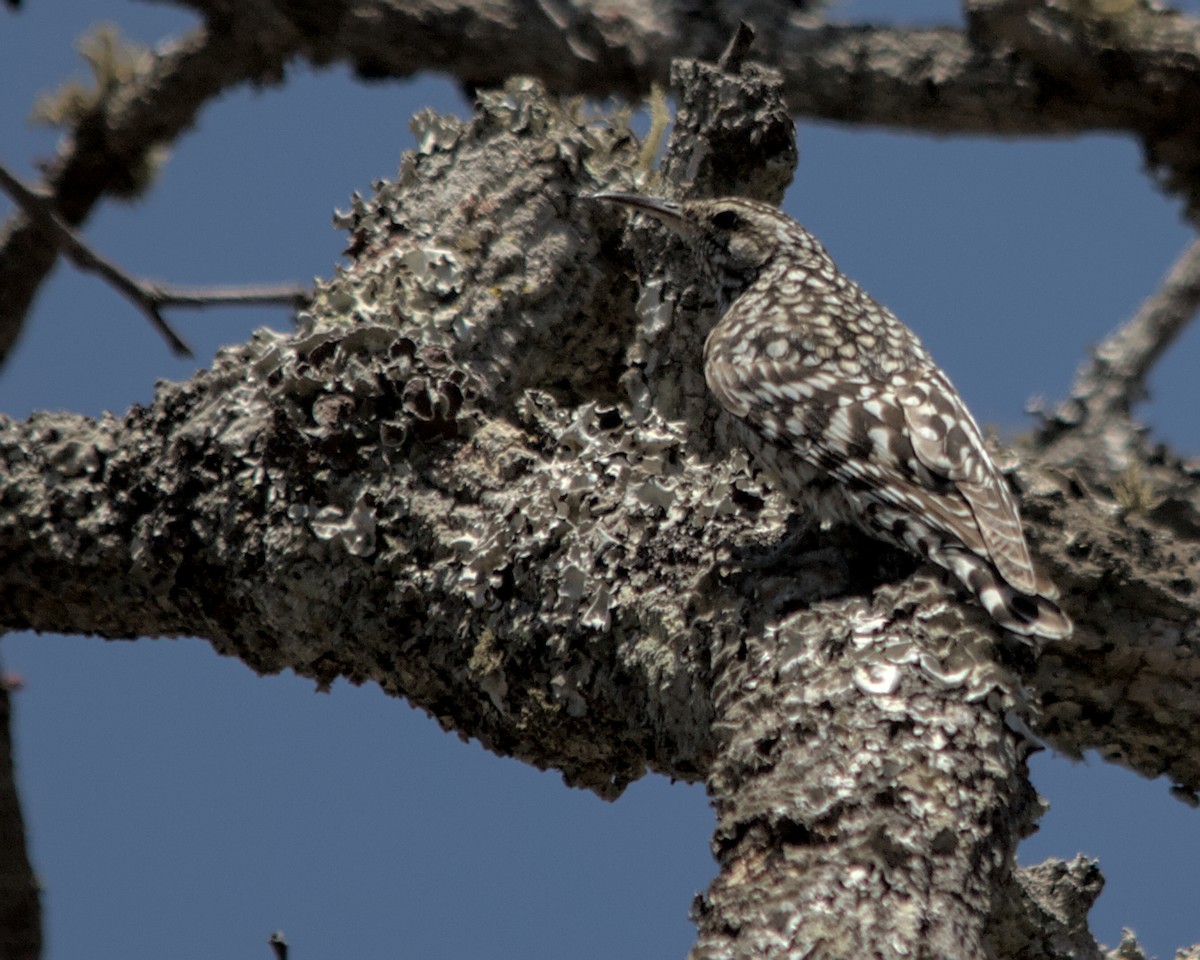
(1027, 615)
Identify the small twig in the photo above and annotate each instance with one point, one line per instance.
(147, 296)
(737, 48)
(1110, 384)
(37, 208)
(280, 295)
(278, 944)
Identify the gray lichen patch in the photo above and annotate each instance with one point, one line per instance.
(485, 474)
(483, 247)
(443, 466)
(517, 517)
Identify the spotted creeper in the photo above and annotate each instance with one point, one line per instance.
(845, 409)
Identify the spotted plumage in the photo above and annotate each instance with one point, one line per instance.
(843, 406)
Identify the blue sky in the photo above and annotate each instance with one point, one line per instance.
(179, 805)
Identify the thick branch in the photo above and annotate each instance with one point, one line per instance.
(483, 474)
(1121, 684)
(413, 505)
(1140, 60)
(894, 839)
(1017, 71)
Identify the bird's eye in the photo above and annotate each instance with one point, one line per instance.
(725, 219)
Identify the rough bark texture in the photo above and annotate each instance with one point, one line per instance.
(1021, 68)
(485, 473)
(869, 793)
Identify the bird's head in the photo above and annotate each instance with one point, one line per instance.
(736, 238)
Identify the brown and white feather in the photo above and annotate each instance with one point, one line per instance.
(843, 406)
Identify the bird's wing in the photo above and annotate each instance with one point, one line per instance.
(947, 441)
(913, 447)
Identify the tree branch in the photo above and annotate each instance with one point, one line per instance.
(20, 900)
(1020, 69)
(150, 298)
(1095, 422)
(871, 851)
(118, 135)
(484, 474)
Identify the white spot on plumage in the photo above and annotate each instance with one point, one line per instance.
(805, 358)
(880, 437)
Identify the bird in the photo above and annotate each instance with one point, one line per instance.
(847, 412)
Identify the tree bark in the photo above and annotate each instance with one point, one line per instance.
(1020, 68)
(485, 473)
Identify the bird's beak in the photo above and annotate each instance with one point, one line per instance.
(667, 211)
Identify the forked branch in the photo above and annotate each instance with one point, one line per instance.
(148, 296)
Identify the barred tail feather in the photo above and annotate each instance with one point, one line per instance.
(1028, 615)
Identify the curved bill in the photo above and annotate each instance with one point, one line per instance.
(668, 211)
